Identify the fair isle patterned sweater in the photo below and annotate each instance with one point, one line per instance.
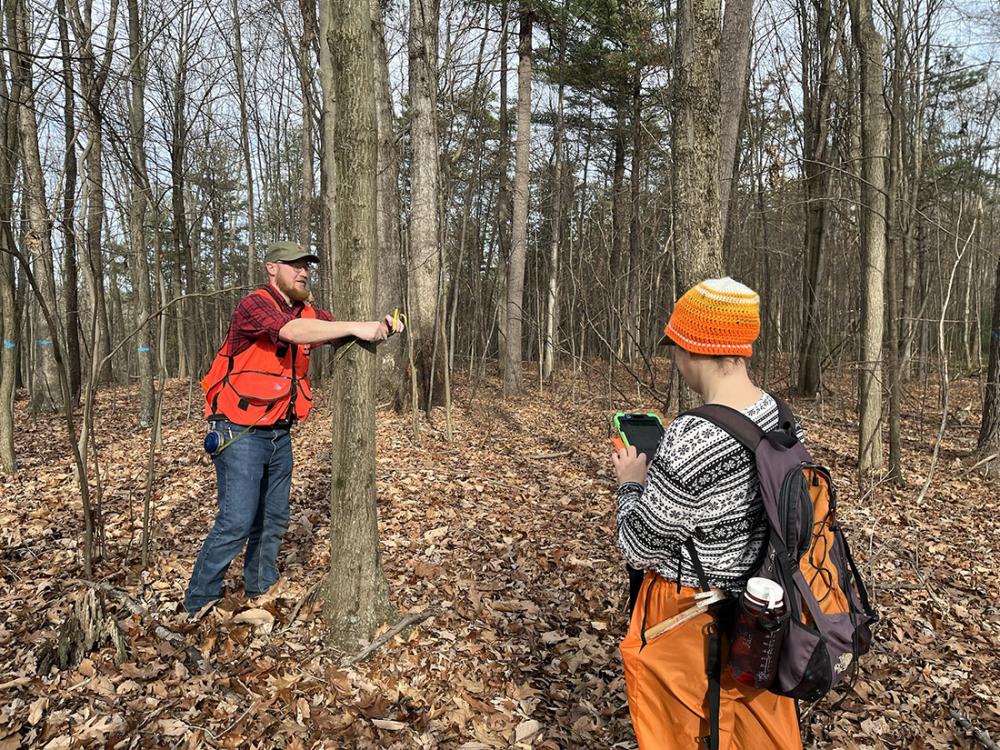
(701, 485)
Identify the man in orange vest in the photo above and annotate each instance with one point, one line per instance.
(255, 390)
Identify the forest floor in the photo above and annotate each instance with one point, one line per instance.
(507, 531)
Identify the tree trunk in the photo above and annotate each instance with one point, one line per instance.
(388, 288)
(10, 341)
(512, 378)
(552, 298)
(737, 27)
(696, 122)
(424, 250)
(818, 72)
(241, 88)
(139, 265)
(45, 393)
(874, 132)
(355, 593)
(989, 429)
(94, 73)
(696, 143)
(70, 292)
(308, 10)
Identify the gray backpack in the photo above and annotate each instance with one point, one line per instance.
(830, 616)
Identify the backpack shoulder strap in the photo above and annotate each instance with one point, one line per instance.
(735, 423)
(786, 419)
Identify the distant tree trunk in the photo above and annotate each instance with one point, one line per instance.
(328, 183)
(504, 209)
(178, 148)
(45, 393)
(552, 298)
(512, 378)
(737, 27)
(819, 61)
(10, 341)
(617, 256)
(308, 10)
(635, 227)
(424, 248)
(241, 88)
(989, 430)
(895, 232)
(139, 265)
(94, 75)
(389, 283)
(355, 593)
(874, 133)
(70, 293)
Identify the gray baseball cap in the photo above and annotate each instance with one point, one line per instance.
(288, 251)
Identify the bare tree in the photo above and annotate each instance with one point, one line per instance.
(512, 377)
(45, 394)
(388, 292)
(874, 134)
(139, 179)
(424, 241)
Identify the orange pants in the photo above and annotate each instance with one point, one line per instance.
(667, 685)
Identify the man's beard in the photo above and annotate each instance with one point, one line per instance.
(295, 294)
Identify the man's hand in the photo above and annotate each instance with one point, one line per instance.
(630, 467)
(375, 331)
(394, 323)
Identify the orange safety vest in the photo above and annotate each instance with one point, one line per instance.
(263, 384)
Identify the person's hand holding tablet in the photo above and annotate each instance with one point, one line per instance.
(630, 466)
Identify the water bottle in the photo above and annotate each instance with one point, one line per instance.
(757, 633)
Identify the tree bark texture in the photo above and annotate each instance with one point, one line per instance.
(70, 293)
(737, 28)
(9, 339)
(355, 594)
(697, 238)
(512, 377)
(552, 297)
(425, 257)
(389, 281)
(874, 134)
(139, 265)
(819, 42)
(45, 393)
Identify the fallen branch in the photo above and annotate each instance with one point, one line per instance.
(413, 619)
(980, 734)
(542, 456)
(980, 463)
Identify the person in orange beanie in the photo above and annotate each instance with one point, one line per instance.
(698, 493)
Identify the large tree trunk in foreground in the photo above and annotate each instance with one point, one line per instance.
(697, 236)
(355, 594)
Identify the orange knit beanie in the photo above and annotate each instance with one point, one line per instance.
(718, 316)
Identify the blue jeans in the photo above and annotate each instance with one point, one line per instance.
(254, 474)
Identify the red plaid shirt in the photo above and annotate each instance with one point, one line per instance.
(256, 316)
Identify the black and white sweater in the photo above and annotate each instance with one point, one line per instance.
(702, 485)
